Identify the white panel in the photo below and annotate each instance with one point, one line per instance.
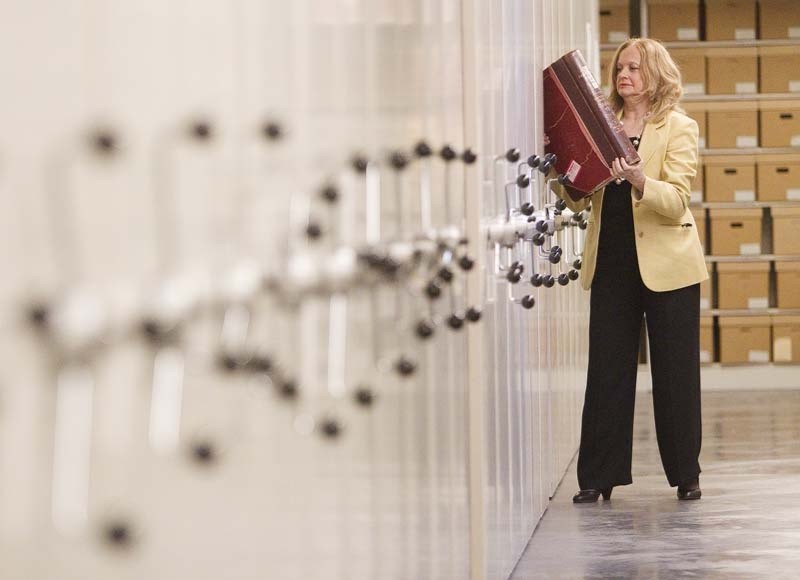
(176, 275)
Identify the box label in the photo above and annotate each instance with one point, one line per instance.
(793, 194)
(783, 349)
(758, 302)
(744, 195)
(794, 86)
(748, 87)
(749, 249)
(794, 32)
(758, 356)
(694, 88)
(697, 197)
(617, 36)
(795, 141)
(687, 33)
(705, 304)
(701, 142)
(746, 141)
(745, 34)
(705, 356)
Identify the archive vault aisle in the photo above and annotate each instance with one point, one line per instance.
(267, 308)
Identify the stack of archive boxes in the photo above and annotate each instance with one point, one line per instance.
(740, 63)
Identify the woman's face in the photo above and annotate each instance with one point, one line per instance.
(630, 84)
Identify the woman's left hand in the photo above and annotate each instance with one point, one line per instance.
(633, 173)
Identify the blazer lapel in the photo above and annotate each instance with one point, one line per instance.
(653, 138)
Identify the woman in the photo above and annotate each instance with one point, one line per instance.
(643, 258)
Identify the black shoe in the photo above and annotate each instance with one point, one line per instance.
(591, 495)
(690, 490)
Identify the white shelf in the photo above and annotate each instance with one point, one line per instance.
(718, 43)
(744, 204)
(758, 258)
(740, 97)
(751, 312)
(751, 151)
(732, 43)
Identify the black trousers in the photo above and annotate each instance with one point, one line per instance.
(619, 300)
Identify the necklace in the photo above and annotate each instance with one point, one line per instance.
(636, 140)
(638, 137)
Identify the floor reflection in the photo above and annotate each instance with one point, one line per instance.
(746, 525)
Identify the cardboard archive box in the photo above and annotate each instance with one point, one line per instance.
(779, 19)
(730, 178)
(744, 339)
(606, 56)
(786, 338)
(730, 19)
(705, 289)
(787, 282)
(673, 19)
(780, 123)
(697, 111)
(699, 215)
(779, 69)
(732, 124)
(696, 194)
(614, 21)
(743, 285)
(732, 71)
(786, 231)
(692, 62)
(778, 178)
(706, 339)
(735, 232)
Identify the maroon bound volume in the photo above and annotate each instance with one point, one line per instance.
(585, 134)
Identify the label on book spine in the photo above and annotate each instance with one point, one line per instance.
(573, 170)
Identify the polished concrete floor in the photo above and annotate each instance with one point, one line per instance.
(747, 525)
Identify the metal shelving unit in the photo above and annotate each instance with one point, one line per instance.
(641, 14)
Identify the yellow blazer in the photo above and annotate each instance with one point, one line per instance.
(667, 243)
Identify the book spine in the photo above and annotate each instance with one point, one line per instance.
(576, 97)
(597, 102)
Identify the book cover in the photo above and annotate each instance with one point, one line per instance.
(584, 132)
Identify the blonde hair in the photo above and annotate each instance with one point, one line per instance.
(661, 76)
